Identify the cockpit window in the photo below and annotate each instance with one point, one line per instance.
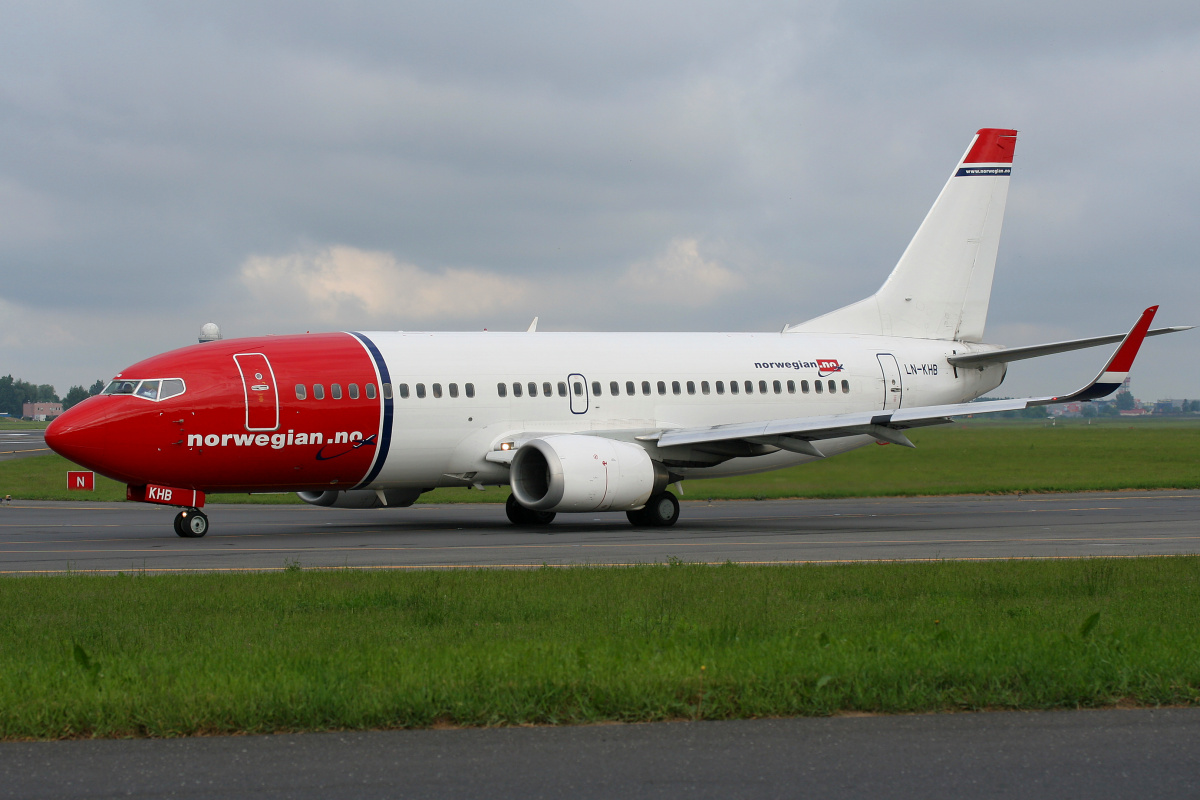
(157, 389)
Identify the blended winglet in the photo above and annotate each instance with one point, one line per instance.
(1117, 369)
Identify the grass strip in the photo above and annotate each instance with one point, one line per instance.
(141, 655)
(964, 458)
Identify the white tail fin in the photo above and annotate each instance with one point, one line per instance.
(941, 286)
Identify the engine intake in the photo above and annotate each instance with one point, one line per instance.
(361, 498)
(574, 472)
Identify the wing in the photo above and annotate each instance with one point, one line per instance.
(798, 434)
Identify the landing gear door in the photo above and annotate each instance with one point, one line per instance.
(577, 388)
(893, 385)
(262, 396)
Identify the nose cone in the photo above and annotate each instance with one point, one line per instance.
(81, 435)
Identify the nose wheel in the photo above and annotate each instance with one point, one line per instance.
(191, 523)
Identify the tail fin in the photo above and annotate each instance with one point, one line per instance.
(942, 284)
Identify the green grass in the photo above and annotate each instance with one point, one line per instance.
(963, 458)
(13, 424)
(298, 650)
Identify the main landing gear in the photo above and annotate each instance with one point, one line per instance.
(191, 523)
(520, 515)
(660, 511)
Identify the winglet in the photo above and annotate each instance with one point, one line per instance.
(1117, 369)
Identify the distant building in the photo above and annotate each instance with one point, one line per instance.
(1170, 406)
(41, 411)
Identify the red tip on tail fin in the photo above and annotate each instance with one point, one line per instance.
(992, 146)
(1122, 360)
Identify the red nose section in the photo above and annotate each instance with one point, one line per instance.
(81, 435)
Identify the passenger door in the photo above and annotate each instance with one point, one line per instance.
(262, 396)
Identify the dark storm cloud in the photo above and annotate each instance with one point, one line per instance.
(158, 159)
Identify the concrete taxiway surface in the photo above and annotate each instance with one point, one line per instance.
(54, 537)
(1095, 754)
(19, 444)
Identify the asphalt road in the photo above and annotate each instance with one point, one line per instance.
(19, 444)
(55, 537)
(1094, 754)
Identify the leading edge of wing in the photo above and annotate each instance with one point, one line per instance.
(885, 425)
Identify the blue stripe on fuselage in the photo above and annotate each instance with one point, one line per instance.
(385, 443)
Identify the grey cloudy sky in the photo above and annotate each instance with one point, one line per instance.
(288, 166)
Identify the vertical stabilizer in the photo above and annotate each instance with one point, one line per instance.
(941, 286)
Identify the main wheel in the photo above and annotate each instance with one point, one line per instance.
(191, 523)
(520, 515)
(660, 511)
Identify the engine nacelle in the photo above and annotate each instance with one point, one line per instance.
(361, 498)
(574, 472)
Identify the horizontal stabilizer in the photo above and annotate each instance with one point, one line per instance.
(1009, 354)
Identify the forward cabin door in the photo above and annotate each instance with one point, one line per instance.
(577, 388)
(893, 385)
(262, 396)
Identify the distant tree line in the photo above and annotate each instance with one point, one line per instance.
(14, 394)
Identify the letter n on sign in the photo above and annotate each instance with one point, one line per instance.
(81, 481)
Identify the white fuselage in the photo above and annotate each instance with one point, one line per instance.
(440, 441)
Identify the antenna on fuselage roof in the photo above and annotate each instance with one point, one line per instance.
(532, 326)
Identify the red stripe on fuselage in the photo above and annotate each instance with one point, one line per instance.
(318, 444)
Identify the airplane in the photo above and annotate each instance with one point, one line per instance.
(577, 422)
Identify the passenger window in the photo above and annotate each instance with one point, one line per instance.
(318, 391)
(353, 391)
(704, 387)
(437, 390)
(174, 386)
(516, 389)
(614, 388)
(421, 390)
(749, 387)
(629, 388)
(733, 387)
(470, 387)
(335, 391)
(596, 388)
(532, 389)
(453, 389)
(691, 387)
(791, 387)
(577, 387)
(675, 387)
(548, 389)
(371, 391)
(832, 387)
(845, 386)
(720, 387)
(403, 389)
(777, 386)
(662, 388)
(762, 387)
(819, 387)
(501, 390)
(300, 392)
(387, 391)
(562, 389)
(804, 386)
(645, 387)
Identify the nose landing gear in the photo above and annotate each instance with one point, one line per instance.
(191, 523)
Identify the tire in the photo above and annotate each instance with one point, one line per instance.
(638, 519)
(662, 510)
(525, 517)
(191, 523)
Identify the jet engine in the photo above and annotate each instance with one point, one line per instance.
(361, 498)
(574, 472)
